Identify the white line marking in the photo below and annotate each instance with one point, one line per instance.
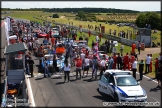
(90, 73)
(30, 91)
(148, 78)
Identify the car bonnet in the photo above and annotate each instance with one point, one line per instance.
(131, 90)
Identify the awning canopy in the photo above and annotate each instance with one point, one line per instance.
(15, 48)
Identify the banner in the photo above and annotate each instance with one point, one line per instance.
(8, 24)
(7, 34)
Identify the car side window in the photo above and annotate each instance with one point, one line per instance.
(107, 75)
(104, 79)
(111, 79)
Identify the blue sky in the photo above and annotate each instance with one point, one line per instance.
(131, 5)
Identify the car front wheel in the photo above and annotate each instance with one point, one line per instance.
(116, 98)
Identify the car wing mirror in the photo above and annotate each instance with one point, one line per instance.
(111, 83)
(138, 82)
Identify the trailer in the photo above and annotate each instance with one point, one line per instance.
(17, 89)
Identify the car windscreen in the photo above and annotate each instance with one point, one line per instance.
(126, 81)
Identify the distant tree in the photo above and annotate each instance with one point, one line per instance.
(81, 15)
(55, 16)
(151, 18)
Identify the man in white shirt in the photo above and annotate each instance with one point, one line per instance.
(103, 66)
(86, 65)
(121, 49)
(148, 60)
(134, 68)
(37, 42)
(82, 56)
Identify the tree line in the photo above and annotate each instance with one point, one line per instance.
(94, 10)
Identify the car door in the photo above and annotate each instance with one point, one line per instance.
(103, 84)
(111, 85)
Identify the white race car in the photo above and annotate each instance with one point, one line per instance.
(122, 86)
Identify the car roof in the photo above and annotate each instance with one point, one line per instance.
(117, 72)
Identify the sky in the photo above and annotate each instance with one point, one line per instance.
(131, 5)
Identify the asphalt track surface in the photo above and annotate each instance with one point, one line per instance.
(51, 91)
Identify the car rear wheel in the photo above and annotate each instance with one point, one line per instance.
(116, 98)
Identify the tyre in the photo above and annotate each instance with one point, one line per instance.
(116, 98)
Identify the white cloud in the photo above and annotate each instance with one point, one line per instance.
(10, 2)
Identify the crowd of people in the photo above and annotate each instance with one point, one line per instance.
(80, 58)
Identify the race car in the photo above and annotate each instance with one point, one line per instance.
(103, 55)
(60, 61)
(122, 86)
(42, 35)
(50, 62)
(82, 43)
(55, 32)
(27, 36)
(36, 30)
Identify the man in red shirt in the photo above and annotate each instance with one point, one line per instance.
(48, 36)
(126, 62)
(131, 60)
(53, 41)
(115, 61)
(133, 47)
(78, 65)
(87, 52)
(89, 33)
(100, 36)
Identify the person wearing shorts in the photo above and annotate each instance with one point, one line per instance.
(86, 65)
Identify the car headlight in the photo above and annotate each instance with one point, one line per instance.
(144, 92)
(123, 95)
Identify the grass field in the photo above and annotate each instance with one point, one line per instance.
(69, 17)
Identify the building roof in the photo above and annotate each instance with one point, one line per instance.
(15, 48)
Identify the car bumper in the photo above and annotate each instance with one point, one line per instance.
(133, 99)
